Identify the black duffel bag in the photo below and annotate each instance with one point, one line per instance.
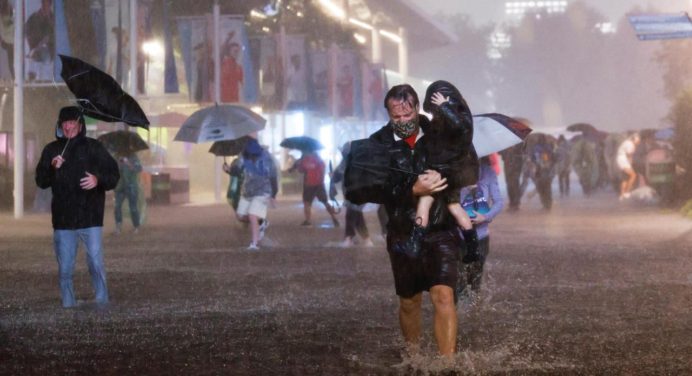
(367, 172)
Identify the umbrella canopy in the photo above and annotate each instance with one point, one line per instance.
(220, 122)
(582, 127)
(302, 143)
(99, 95)
(495, 132)
(123, 142)
(228, 148)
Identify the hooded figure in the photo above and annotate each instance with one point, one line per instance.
(79, 170)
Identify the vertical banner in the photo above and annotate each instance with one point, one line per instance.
(319, 60)
(97, 9)
(295, 76)
(6, 40)
(197, 56)
(117, 62)
(169, 71)
(144, 34)
(374, 89)
(62, 38)
(39, 32)
(270, 74)
(233, 55)
(346, 83)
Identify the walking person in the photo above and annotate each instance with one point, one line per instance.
(313, 168)
(483, 202)
(513, 159)
(258, 191)
(355, 220)
(564, 165)
(128, 189)
(624, 162)
(436, 269)
(79, 171)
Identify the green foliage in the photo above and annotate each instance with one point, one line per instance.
(681, 117)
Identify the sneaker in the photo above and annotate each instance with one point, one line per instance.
(136, 230)
(252, 247)
(263, 228)
(306, 223)
(346, 243)
(335, 222)
(368, 243)
(118, 229)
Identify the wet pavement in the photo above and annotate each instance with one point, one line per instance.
(592, 287)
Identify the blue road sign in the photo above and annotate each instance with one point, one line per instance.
(661, 26)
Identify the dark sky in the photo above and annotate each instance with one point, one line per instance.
(484, 11)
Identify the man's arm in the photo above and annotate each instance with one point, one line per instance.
(44, 170)
(428, 183)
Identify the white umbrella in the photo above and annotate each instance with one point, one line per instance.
(220, 122)
(495, 132)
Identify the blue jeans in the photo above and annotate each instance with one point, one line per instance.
(65, 243)
(130, 193)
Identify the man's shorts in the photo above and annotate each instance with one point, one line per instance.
(437, 265)
(255, 205)
(312, 191)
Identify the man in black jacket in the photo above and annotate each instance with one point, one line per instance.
(79, 171)
(436, 268)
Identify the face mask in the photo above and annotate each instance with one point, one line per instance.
(405, 129)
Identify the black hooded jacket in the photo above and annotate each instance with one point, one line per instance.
(399, 200)
(73, 207)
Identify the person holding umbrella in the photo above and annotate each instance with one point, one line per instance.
(79, 170)
(313, 168)
(127, 189)
(259, 188)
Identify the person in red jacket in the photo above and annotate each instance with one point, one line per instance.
(312, 166)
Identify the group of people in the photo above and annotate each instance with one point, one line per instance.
(439, 200)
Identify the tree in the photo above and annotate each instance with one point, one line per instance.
(681, 117)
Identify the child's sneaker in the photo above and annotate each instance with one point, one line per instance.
(263, 229)
(253, 247)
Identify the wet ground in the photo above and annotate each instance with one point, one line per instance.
(593, 287)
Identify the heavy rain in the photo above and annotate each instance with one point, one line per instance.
(231, 219)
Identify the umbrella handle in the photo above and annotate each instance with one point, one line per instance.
(65, 148)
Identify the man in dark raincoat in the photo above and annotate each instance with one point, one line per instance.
(79, 171)
(435, 270)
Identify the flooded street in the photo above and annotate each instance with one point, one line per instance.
(593, 287)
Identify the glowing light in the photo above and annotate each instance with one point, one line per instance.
(391, 36)
(359, 38)
(333, 9)
(256, 14)
(360, 23)
(153, 48)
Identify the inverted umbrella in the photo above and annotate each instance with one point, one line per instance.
(228, 148)
(302, 143)
(220, 122)
(123, 142)
(99, 95)
(495, 132)
(581, 127)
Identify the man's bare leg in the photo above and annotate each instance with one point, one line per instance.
(445, 319)
(307, 210)
(410, 317)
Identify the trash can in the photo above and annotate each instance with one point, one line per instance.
(161, 188)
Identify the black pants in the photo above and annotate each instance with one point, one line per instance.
(355, 222)
(513, 188)
(470, 275)
(563, 180)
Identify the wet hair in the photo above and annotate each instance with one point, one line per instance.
(446, 89)
(403, 92)
(70, 113)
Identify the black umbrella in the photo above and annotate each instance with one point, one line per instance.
(302, 143)
(228, 148)
(99, 95)
(123, 142)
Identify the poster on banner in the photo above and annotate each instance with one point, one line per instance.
(6, 40)
(39, 41)
(232, 57)
(374, 89)
(295, 77)
(319, 61)
(270, 74)
(346, 83)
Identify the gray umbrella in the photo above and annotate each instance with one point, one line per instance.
(220, 122)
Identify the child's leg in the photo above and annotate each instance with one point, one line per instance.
(423, 210)
(461, 216)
